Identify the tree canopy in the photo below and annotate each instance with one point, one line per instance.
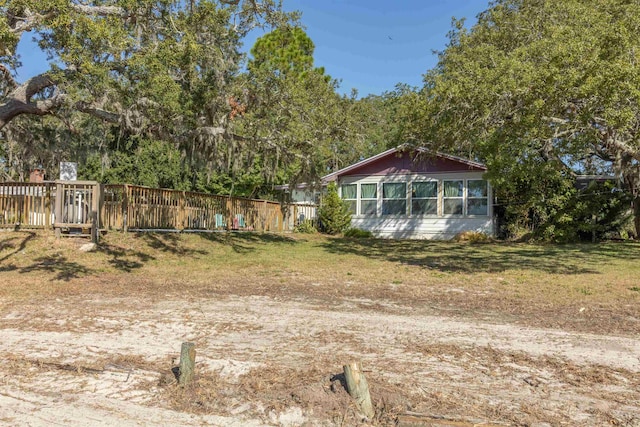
(540, 90)
(131, 80)
(157, 69)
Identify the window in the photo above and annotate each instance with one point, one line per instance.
(424, 198)
(368, 199)
(394, 198)
(452, 198)
(349, 193)
(477, 197)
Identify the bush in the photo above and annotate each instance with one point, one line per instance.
(357, 233)
(472, 237)
(305, 227)
(334, 214)
(598, 211)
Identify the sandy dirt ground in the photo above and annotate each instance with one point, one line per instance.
(277, 360)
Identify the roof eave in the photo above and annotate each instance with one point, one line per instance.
(334, 175)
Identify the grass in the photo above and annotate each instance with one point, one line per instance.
(583, 286)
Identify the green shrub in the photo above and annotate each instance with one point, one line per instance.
(357, 233)
(305, 227)
(334, 214)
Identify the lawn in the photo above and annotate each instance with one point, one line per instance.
(586, 287)
(505, 333)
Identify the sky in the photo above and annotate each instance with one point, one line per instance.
(369, 45)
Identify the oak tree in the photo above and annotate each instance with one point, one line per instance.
(539, 89)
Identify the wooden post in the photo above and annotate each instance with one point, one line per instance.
(358, 388)
(58, 207)
(47, 206)
(125, 208)
(265, 226)
(182, 211)
(187, 363)
(95, 212)
(229, 214)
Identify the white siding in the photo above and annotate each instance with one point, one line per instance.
(438, 226)
(422, 228)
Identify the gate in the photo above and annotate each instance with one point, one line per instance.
(77, 208)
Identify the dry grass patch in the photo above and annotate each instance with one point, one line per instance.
(586, 287)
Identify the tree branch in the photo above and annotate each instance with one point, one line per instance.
(30, 20)
(99, 10)
(97, 112)
(19, 100)
(8, 78)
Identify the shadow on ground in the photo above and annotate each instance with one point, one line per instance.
(488, 258)
(125, 260)
(246, 242)
(123, 256)
(63, 268)
(15, 243)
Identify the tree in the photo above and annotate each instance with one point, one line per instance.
(165, 70)
(286, 50)
(541, 85)
(333, 215)
(293, 107)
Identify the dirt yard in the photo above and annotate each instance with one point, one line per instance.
(91, 338)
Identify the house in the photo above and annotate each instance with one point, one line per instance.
(400, 194)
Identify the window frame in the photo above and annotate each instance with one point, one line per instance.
(435, 197)
(355, 210)
(368, 199)
(460, 198)
(468, 198)
(383, 199)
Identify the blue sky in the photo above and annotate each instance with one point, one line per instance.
(369, 45)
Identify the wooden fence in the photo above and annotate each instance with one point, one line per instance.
(78, 205)
(27, 204)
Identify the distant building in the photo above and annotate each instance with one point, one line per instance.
(37, 175)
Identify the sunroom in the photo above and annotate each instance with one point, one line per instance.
(395, 195)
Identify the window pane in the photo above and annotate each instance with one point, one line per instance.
(477, 188)
(424, 207)
(394, 207)
(424, 189)
(452, 206)
(368, 207)
(477, 207)
(369, 191)
(453, 189)
(349, 191)
(394, 190)
(352, 206)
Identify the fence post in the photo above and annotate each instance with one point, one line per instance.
(182, 211)
(265, 224)
(47, 206)
(229, 213)
(125, 208)
(58, 207)
(95, 212)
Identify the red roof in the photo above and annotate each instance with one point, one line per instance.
(403, 161)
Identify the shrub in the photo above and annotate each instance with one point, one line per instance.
(305, 227)
(334, 214)
(472, 237)
(357, 233)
